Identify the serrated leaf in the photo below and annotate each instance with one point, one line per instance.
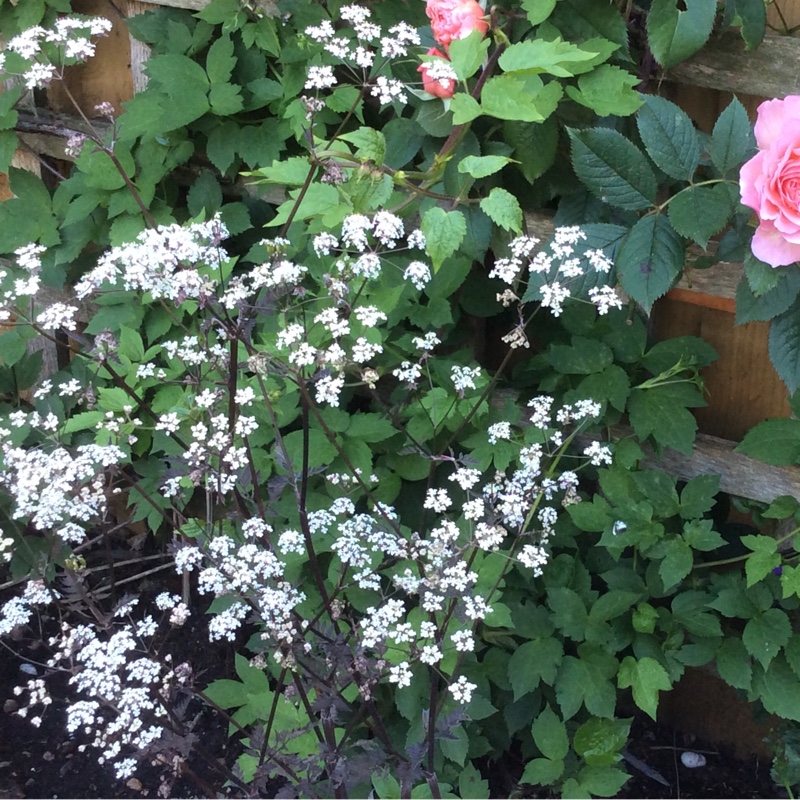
(669, 137)
(600, 740)
(732, 138)
(550, 735)
(607, 90)
(527, 99)
(542, 772)
(762, 560)
(444, 231)
(647, 678)
(790, 581)
(733, 664)
(784, 347)
(220, 60)
(765, 634)
(700, 535)
(650, 260)
(699, 212)
(676, 563)
(612, 168)
(538, 10)
(753, 17)
(675, 35)
(532, 662)
(465, 108)
(612, 604)
(467, 54)
(770, 304)
(369, 143)
(471, 784)
(581, 357)
(662, 413)
(482, 166)
(586, 19)
(503, 209)
(555, 57)
(777, 690)
(760, 276)
(535, 145)
(698, 496)
(781, 507)
(603, 781)
(774, 441)
(569, 612)
(596, 516)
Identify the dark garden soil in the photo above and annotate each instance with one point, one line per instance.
(45, 762)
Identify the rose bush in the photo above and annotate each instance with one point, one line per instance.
(437, 76)
(455, 19)
(770, 182)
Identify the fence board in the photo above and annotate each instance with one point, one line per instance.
(771, 70)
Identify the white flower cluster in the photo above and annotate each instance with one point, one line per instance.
(57, 490)
(48, 49)
(364, 49)
(556, 268)
(166, 262)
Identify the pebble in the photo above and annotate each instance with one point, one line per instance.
(693, 760)
(28, 669)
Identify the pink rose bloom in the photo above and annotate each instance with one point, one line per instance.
(455, 19)
(770, 182)
(438, 86)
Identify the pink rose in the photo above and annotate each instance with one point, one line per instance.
(442, 84)
(455, 19)
(770, 182)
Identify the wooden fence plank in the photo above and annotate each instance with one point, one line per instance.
(771, 70)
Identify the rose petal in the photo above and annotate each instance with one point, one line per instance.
(773, 117)
(770, 246)
(749, 181)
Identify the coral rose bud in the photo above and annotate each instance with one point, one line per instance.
(455, 19)
(438, 77)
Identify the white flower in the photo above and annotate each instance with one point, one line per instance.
(389, 90)
(605, 298)
(438, 500)
(320, 78)
(464, 377)
(400, 674)
(418, 273)
(500, 430)
(462, 690)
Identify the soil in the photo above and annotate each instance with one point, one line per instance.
(46, 762)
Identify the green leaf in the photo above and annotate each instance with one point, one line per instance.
(8, 146)
(675, 35)
(770, 304)
(784, 348)
(550, 735)
(482, 166)
(370, 428)
(760, 276)
(471, 784)
(774, 441)
(586, 19)
(659, 489)
(581, 357)
(699, 212)
(83, 422)
(613, 168)
(690, 609)
(765, 634)
(600, 740)
(467, 54)
(610, 385)
(186, 85)
(753, 17)
(700, 534)
(465, 108)
(455, 749)
(527, 99)
(731, 139)
(650, 260)
(781, 507)
(698, 496)
(612, 604)
(225, 99)
(602, 781)
(662, 412)
(607, 90)
(503, 209)
(596, 516)
(114, 399)
(369, 143)
(444, 231)
(542, 771)
(227, 693)
(569, 612)
(763, 559)
(532, 662)
(646, 677)
(220, 60)
(537, 10)
(204, 196)
(555, 57)
(669, 137)
(385, 784)
(733, 664)
(777, 690)
(676, 563)
(535, 145)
